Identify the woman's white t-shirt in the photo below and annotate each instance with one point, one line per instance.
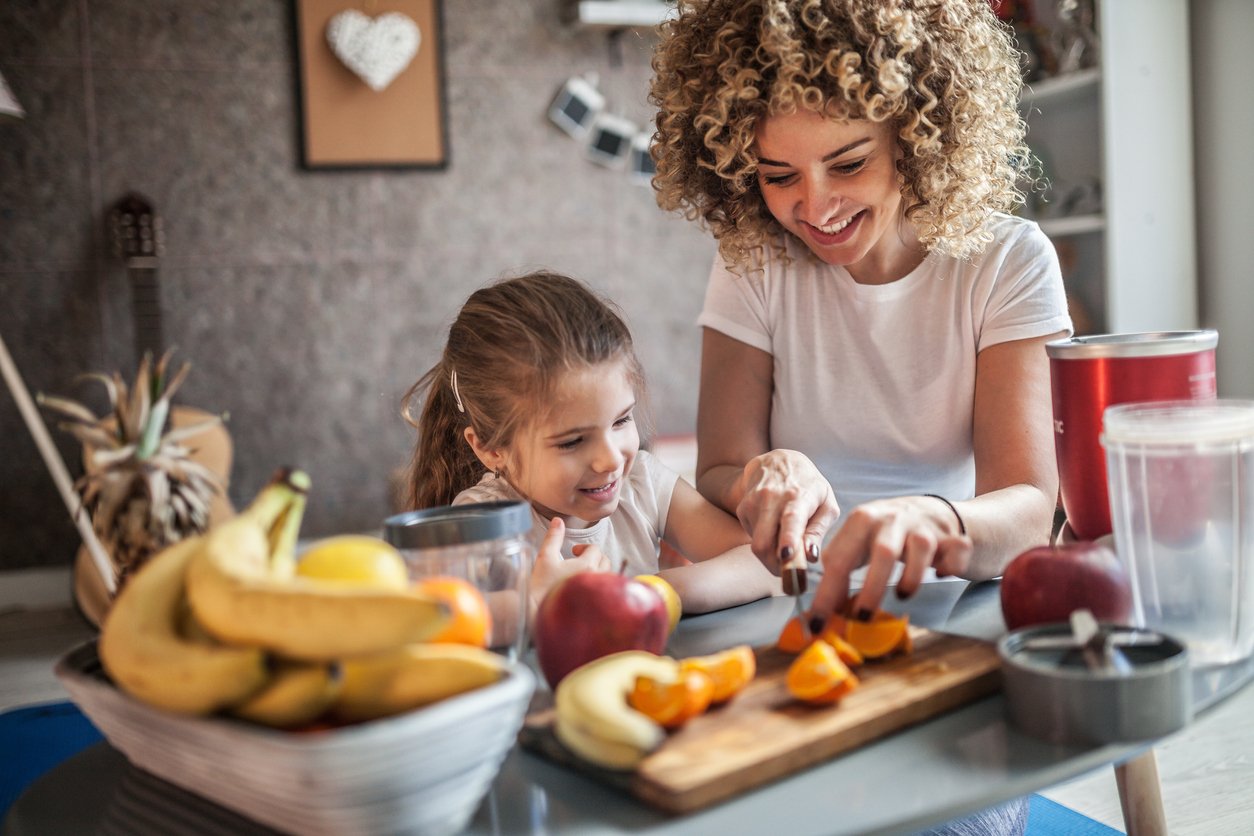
(876, 383)
(631, 535)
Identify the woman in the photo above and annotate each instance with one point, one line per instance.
(874, 323)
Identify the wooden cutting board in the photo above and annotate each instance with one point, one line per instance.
(764, 734)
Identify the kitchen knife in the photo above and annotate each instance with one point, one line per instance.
(794, 582)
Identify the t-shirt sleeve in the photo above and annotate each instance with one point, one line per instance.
(1026, 298)
(659, 482)
(735, 305)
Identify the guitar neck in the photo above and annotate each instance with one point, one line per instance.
(146, 309)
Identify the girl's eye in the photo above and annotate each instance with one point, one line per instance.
(624, 421)
(569, 444)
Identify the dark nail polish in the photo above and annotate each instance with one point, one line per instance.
(816, 626)
(863, 614)
(785, 554)
(901, 596)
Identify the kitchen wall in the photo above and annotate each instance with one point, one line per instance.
(307, 301)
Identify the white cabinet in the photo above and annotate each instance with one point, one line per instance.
(1117, 146)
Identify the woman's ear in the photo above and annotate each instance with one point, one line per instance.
(493, 460)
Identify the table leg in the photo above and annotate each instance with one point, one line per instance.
(1140, 796)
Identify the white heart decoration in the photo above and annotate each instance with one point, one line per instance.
(377, 49)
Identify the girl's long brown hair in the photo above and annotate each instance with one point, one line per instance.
(509, 346)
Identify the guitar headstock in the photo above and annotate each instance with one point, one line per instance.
(136, 230)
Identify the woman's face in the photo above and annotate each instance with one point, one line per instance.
(573, 463)
(833, 184)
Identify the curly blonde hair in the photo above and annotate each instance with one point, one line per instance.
(944, 73)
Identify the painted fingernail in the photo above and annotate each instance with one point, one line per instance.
(863, 614)
(813, 552)
(816, 626)
(785, 554)
(901, 596)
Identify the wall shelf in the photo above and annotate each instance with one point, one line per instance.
(1073, 225)
(619, 14)
(1118, 137)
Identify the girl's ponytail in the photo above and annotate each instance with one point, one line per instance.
(443, 464)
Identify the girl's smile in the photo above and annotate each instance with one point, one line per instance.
(571, 462)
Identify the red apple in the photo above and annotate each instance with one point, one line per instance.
(1046, 583)
(594, 614)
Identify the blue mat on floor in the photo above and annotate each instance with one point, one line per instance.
(1049, 818)
(35, 738)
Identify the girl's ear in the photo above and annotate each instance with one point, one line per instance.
(493, 460)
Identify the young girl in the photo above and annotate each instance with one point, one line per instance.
(536, 398)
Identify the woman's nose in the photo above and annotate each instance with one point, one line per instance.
(815, 200)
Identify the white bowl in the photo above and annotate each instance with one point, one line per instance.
(422, 772)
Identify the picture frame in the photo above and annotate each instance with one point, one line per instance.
(382, 111)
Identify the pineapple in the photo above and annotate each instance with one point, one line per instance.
(141, 487)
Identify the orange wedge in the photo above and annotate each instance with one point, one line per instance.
(883, 634)
(792, 639)
(819, 676)
(671, 705)
(731, 670)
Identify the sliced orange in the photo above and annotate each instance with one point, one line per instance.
(819, 676)
(673, 704)
(472, 620)
(848, 654)
(731, 670)
(793, 638)
(883, 634)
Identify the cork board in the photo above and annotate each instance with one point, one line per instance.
(348, 124)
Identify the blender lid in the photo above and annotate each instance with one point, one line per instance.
(1142, 344)
(452, 525)
(1222, 420)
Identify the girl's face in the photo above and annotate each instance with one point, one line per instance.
(572, 463)
(833, 184)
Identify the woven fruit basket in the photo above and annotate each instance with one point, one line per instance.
(422, 772)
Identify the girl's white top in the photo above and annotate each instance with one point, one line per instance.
(630, 535)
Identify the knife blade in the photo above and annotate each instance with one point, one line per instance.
(794, 582)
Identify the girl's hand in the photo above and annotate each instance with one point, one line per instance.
(786, 507)
(918, 531)
(550, 567)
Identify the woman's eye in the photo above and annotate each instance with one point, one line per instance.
(849, 168)
(776, 179)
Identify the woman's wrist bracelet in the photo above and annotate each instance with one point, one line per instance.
(962, 527)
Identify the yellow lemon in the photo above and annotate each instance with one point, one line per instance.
(356, 560)
(674, 607)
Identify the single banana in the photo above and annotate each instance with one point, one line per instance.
(298, 693)
(384, 684)
(146, 655)
(594, 719)
(243, 590)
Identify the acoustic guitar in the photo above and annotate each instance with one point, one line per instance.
(136, 232)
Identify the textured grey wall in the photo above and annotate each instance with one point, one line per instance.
(306, 301)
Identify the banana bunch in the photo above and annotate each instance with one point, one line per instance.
(222, 622)
(594, 719)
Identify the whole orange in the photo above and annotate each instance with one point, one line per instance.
(471, 621)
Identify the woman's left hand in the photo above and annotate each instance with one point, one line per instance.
(918, 531)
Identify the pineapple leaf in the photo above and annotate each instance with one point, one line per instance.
(141, 402)
(150, 440)
(182, 433)
(70, 409)
(121, 408)
(91, 435)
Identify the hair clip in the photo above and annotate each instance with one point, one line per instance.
(452, 379)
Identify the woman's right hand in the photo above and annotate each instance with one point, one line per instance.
(786, 506)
